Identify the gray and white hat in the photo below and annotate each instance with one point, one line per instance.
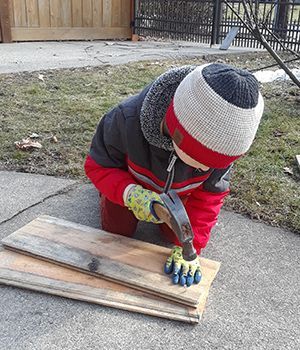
(215, 113)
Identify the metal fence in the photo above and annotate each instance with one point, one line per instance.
(277, 19)
(175, 19)
(210, 21)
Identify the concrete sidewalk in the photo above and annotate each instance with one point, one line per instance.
(33, 56)
(253, 304)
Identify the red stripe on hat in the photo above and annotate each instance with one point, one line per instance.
(193, 147)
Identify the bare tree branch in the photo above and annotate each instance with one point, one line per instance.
(275, 64)
(252, 25)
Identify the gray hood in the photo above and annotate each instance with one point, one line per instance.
(156, 103)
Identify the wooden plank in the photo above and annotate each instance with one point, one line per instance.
(11, 12)
(97, 13)
(27, 272)
(55, 13)
(30, 34)
(116, 13)
(32, 13)
(20, 17)
(121, 259)
(44, 13)
(5, 27)
(66, 13)
(87, 13)
(125, 13)
(107, 13)
(76, 13)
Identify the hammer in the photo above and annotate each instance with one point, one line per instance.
(177, 219)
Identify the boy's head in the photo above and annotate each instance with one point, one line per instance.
(214, 115)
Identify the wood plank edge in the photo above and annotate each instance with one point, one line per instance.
(179, 300)
(109, 303)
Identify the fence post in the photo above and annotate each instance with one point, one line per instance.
(217, 14)
(5, 27)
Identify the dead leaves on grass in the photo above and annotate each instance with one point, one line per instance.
(30, 143)
(27, 144)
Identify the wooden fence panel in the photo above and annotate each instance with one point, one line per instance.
(66, 13)
(98, 13)
(70, 19)
(5, 22)
(20, 17)
(44, 13)
(76, 13)
(32, 13)
(87, 13)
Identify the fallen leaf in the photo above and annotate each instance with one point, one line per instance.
(288, 171)
(54, 139)
(34, 136)
(278, 133)
(27, 144)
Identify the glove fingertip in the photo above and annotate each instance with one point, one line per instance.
(182, 280)
(175, 279)
(197, 277)
(189, 281)
(168, 268)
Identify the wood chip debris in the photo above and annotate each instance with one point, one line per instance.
(27, 144)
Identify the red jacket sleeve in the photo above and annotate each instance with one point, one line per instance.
(111, 182)
(204, 205)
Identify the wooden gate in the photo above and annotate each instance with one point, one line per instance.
(69, 19)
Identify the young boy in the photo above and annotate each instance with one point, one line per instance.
(183, 132)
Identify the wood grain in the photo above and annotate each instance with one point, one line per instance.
(20, 17)
(75, 33)
(97, 13)
(87, 13)
(5, 22)
(32, 13)
(55, 13)
(66, 13)
(44, 13)
(107, 13)
(76, 13)
(27, 272)
(127, 261)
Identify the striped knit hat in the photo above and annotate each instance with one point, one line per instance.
(215, 113)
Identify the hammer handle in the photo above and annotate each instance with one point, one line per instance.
(163, 214)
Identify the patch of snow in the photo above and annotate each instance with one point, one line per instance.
(267, 76)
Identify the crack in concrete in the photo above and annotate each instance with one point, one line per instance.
(67, 189)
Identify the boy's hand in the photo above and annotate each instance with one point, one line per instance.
(183, 272)
(140, 201)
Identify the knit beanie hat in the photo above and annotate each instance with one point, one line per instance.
(215, 113)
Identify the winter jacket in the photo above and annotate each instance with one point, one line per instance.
(128, 148)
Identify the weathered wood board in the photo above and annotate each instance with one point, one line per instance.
(26, 272)
(120, 259)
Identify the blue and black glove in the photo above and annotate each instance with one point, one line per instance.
(183, 272)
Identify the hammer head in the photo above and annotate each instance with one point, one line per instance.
(180, 223)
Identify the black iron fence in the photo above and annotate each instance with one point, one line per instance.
(175, 19)
(210, 21)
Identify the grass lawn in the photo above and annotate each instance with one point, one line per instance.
(69, 103)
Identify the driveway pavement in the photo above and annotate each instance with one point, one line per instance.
(253, 304)
(33, 56)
